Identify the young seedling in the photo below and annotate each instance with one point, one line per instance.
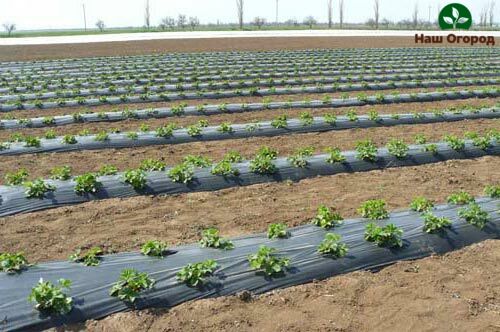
(266, 261)
(331, 119)
(210, 238)
(69, 139)
(492, 191)
(37, 188)
(352, 115)
(432, 148)
(182, 173)
(91, 257)
(433, 224)
(13, 263)
(197, 161)
(332, 246)
(398, 148)
(193, 274)
(136, 178)
(299, 158)
(87, 183)
(454, 142)
(150, 165)
(50, 298)
(460, 198)
(482, 142)
(327, 218)
(132, 135)
(32, 142)
(166, 131)
(225, 168)
(277, 231)
(421, 204)
(334, 156)
(233, 157)
(474, 215)
(263, 161)
(154, 248)
(16, 178)
(387, 236)
(373, 209)
(420, 139)
(306, 119)
(61, 173)
(225, 127)
(280, 121)
(366, 150)
(107, 170)
(130, 284)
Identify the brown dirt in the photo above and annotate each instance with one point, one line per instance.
(91, 160)
(41, 52)
(123, 224)
(459, 290)
(133, 125)
(248, 100)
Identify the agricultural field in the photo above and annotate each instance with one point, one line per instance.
(215, 190)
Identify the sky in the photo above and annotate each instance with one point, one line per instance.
(68, 14)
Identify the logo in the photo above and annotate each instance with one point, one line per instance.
(455, 16)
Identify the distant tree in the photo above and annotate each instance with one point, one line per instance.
(310, 21)
(492, 10)
(9, 28)
(483, 20)
(181, 21)
(371, 23)
(341, 13)
(194, 22)
(406, 23)
(292, 22)
(415, 16)
(385, 22)
(376, 12)
(239, 8)
(330, 13)
(100, 25)
(147, 15)
(259, 21)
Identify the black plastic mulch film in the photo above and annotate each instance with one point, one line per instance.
(91, 285)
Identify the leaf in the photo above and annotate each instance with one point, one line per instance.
(455, 12)
(462, 20)
(448, 20)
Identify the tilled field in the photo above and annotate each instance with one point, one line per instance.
(120, 224)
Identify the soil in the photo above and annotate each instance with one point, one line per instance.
(41, 52)
(456, 291)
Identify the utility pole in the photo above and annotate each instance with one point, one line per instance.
(277, 11)
(84, 17)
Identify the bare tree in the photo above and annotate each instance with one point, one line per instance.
(341, 13)
(194, 22)
(167, 22)
(483, 16)
(181, 21)
(259, 21)
(330, 13)
(385, 22)
(9, 28)
(376, 10)
(147, 15)
(415, 16)
(100, 25)
(292, 22)
(492, 9)
(239, 7)
(310, 21)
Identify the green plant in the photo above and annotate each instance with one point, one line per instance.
(87, 183)
(262, 164)
(225, 168)
(434, 224)
(31, 141)
(69, 139)
(144, 127)
(181, 173)
(193, 274)
(299, 158)
(366, 150)
(482, 142)
(233, 157)
(352, 116)
(13, 263)
(194, 130)
(327, 218)
(61, 173)
(460, 198)
(306, 118)
(101, 136)
(51, 298)
(454, 142)
(492, 191)
(154, 248)
(432, 148)
(48, 121)
(266, 261)
(197, 161)
(132, 135)
(16, 178)
(374, 116)
(387, 236)
(136, 178)
(130, 284)
(421, 204)
(37, 188)
(210, 238)
(397, 148)
(91, 257)
(474, 215)
(277, 231)
(165, 131)
(107, 170)
(373, 209)
(331, 119)
(334, 156)
(332, 246)
(225, 127)
(280, 121)
(152, 165)
(420, 139)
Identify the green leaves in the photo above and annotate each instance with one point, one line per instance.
(136, 178)
(366, 150)
(334, 156)
(266, 261)
(182, 173)
(454, 142)
(277, 231)
(210, 238)
(193, 274)
(150, 165)
(398, 148)
(460, 198)
(263, 161)
(373, 209)
(433, 224)
(91, 257)
(280, 122)
(492, 191)
(154, 248)
(87, 183)
(421, 204)
(50, 298)
(16, 178)
(332, 246)
(61, 173)
(387, 236)
(474, 215)
(130, 284)
(299, 158)
(13, 263)
(327, 218)
(37, 188)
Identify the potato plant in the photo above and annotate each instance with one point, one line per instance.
(398, 148)
(280, 122)
(454, 142)
(266, 261)
(181, 173)
(150, 165)
(366, 150)
(107, 170)
(327, 217)
(492, 191)
(13, 263)
(37, 188)
(197, 161)
(16, 178)
(130, 284)
(460, 198)
(50, 298)
(334, 156)
(373, 209)
(101, 136)
(61, 173)
(299, 158)
(306, 119)
(474, 215)
(32, 142)
(211, 238)
(87, 184)
(277, 231)
(421, 204)
(332, 247)
(69, 139)
(193, 274)
(420, 139)
(225, 127)
(263, 162)
(433, 224)
(136, 178)
(154, 248)
(91, 257)
(384, 236)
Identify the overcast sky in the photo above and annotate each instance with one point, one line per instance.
(62, 14)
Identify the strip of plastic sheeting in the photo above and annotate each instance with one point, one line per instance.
(257, 129)
(13, 199)
(165, 112)
(232, 85)
(91, 284)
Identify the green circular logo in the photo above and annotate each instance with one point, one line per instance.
(455, 16)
